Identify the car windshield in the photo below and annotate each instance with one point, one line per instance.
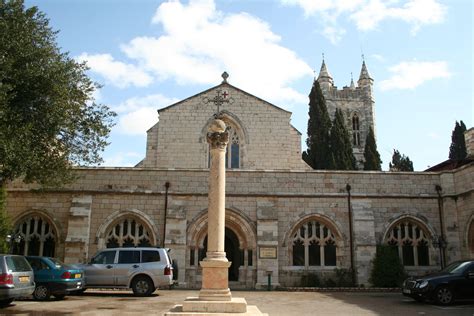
(56, 262)
(455, 267)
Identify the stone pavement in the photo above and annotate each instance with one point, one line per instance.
(274, 303)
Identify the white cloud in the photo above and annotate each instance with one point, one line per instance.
(368, 14)
(411, 74)
(200, 42)
(138, 114)
(122, 159)
(378, 57)
(115, 72)
(334, 34)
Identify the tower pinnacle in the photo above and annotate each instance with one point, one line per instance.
(325, 78)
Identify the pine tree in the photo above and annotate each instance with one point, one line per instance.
(400, 162)
(371, 155)
(318, 154)
(341, 147)
(457, 150)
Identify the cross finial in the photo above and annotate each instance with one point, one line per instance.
(363, 58)
(225, 75)
(323, 56)
(351, 76)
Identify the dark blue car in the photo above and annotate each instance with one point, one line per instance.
(54, 277)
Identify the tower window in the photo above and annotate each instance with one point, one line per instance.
(355, 130)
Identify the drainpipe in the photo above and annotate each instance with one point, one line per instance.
(349, 210)
(442, 239)
(167, 186)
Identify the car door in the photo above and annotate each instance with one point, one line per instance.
(127, 265)
(466, 284)
(100, 271)
(40, 268)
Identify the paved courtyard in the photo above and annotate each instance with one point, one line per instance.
(274, 303)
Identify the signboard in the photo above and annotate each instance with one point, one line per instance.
(267, 252)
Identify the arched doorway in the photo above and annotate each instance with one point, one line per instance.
(233, 253)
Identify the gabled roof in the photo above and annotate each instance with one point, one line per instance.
(223, 84)
(450, 164)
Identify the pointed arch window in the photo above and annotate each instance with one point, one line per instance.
(355, 130)
(411, 241)
(38, 237)
(313, 244)
(128, 233)
(232, 158)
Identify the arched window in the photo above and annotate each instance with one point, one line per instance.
(128, 233)
(232, 158)
(470, 237)
(313, 244)
(355, 130)
(411, 241)
(38, 237)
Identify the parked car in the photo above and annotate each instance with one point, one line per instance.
(54, 277)
(16, 278)
(141, 269)
(454, 282)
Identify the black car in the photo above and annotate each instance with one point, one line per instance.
(454, 282)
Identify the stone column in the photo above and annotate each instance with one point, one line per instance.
(215, 284)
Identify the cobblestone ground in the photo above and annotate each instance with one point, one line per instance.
(274, 303)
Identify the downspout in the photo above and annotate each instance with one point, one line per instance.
(167, 186)
(351, 247)
(442, 239)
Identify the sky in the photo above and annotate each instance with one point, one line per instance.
(148, 54)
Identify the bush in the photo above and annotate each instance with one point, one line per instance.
(310, 280)
(387, 270)
(344, 277)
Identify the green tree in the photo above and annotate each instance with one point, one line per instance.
(400, 162)
(341, 147)
(5, 227)
(318, 154)
(371, 155)
(387, 270)
(48, 120)
(457, 150)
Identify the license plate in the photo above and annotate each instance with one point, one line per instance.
(77, 276)
(24, 279)
(406, 291)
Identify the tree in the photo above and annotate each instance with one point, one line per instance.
(371, 155)
(400, 162)
(457, 150)
(5, 227)
(341, 147)
(318, 154)
(387, 270)
(48, 119)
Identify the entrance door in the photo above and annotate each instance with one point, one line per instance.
(232, 252)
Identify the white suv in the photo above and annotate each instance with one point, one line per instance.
(141, 269)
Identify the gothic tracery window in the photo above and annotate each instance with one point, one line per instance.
(38, 237)
(355, 130)
(232, 158)
(314, 244)
(411, 241)
(128, 233)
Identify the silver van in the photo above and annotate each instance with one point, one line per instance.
(16, 278)
(141, 269)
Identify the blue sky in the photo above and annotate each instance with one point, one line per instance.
(148, 54)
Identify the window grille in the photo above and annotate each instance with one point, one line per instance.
(37, 237)
(412, 243)
(128, 233)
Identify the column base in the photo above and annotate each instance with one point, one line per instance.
(215, 284)
(193, 306)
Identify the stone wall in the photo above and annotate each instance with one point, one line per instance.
(267, 139)
(268, 205)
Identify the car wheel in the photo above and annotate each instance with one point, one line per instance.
(41, 292)
(142, 286)
(444, 295)
(4, 303)
(60, 296)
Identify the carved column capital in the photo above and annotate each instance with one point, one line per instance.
(218, 140)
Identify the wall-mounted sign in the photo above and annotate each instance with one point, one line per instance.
(267, 252)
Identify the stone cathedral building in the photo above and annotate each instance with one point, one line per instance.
(281, 217)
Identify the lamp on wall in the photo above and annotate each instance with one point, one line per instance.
(12, 239)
